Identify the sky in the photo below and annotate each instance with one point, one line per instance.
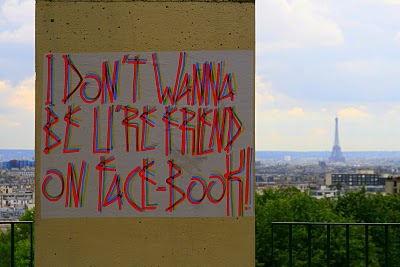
(315, 59)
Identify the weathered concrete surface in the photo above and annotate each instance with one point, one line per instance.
(115, 26)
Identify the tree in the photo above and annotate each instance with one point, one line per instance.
(22, 242)
(366, 208)
(291, 205)
(5, 247)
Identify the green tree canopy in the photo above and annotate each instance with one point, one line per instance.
(22, 242)
(291, 205)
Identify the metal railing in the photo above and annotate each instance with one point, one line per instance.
(12, 240)
(309, 227)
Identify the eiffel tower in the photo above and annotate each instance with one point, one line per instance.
(336, 155)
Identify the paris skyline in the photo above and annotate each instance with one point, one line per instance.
(315, 60)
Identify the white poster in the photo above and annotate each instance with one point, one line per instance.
(163, 134)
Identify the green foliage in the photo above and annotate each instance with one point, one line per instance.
(361, 207)
(5, 248)
(22, 242)
(23, 253)
(291, 205)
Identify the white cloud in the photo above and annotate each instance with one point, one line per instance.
(17, 102)
(320, 131)
(19, 97)
(352, 65)
(393, 111)
(397, 37)
(296, 111)
(299, 24)
(6, 122)
(24, 95)
(17, 21)
(397, 2)
(281, 131)
(353, 112)
(393, 2)
(263, 93)
(360, 127)
(364, 66)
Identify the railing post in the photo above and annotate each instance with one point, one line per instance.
(386, 245)
(12, 245)
(328, 240)
(272, 244)
(309, 243)
(290, 246)
(31, 265)
(366, 246)
(347, 245)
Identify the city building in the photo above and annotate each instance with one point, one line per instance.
(17, 186)
(5, 188)
(14, 204)
(15, 199)
(391, 185)
(325, 192)
(359, 178)
(18, 164)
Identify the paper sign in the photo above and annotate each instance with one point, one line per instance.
(163, 134)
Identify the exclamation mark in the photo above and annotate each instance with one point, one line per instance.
(249, 165)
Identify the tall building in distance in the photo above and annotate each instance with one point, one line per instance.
(336, 155)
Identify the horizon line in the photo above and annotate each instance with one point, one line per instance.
(26, 149)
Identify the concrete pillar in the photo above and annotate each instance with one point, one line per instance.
(122, 26)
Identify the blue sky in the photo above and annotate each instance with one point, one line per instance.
(315, 59)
